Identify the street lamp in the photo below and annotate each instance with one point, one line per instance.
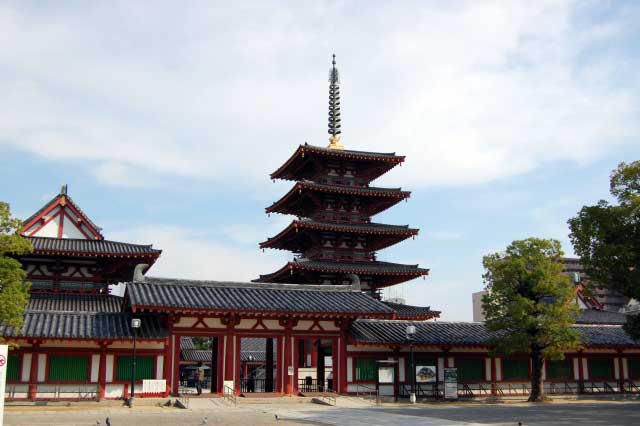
(135, 324)
(410, 335)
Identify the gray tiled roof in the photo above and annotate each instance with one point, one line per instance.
(162, 293)
(410, 312)
(199, 355)
(82, 247)
(460, 333)
(187, 343)
(84, 325)
(361, 268)
(75, 303)
(593, 316)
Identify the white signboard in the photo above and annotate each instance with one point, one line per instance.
(4, 364)
(451, 383)
(290, 370)
(154, 386)
(385, 374)
(426, 373)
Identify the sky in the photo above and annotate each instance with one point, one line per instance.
(166, 118)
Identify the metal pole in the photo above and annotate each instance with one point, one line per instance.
(413, 377)
(133, 370)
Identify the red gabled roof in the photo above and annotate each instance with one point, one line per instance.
(64, 202)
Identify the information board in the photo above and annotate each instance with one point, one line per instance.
(451, 383)
(154, 386)
(385, 374)
(426, 373)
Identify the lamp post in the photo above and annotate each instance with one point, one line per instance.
(135, 324)
(410, 335)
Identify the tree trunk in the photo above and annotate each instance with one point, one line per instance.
(537, 360)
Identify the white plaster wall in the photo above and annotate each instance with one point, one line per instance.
(95, 367)
(272, 325)
(26, 367)
(329, 325)
(185, 322)
(214, 323)
(625, 369)
(487, 369)
(303, 325)
(160, 367)
(576, 369)
(452, 362)
(70, 230)
(109, 369)
(616, 369)
(69, 344)
(42, 367)
(440, 369)
(50, 229)
(246, 323)
(21, 391)
(114, 391)
(498, 369)
(349, 369)
(401, 372)
(585, 368)
(139, 345)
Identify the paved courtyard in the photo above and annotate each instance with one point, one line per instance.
(569, 414)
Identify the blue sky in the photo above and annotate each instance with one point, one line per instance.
(165, 121)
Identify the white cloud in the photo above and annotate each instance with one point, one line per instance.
(217, 91)
(188, 254)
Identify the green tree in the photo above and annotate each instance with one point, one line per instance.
(14, 291)
(529, 304)
(607, 238)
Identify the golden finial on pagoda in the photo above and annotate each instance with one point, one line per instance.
(334, 107)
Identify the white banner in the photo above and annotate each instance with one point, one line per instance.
(451, 383)
(4, 365)
(153, 386)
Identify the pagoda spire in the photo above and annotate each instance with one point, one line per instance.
(334, 107)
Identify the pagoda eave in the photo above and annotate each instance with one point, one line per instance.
(292, 168)
(379, 236)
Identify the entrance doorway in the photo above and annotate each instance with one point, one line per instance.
(198, 365)
(257, 365)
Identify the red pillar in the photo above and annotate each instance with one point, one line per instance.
(236, 364)
(102, 371)
(342, 347)
(33, 372)
(580, 373)
(288, 351)
(621, 371)
(175, 390)
(168, 362)
(314, 353)
(279, 365)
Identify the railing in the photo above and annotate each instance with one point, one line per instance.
(229, 395)
(9, 392)
(466, 391)
(184, 399)
(254, 385)
(595, 387)
(424, 390)
(630, 387)
(69, 391)
(511, 389)
(368, 392)
(312, 385)
(565, 387)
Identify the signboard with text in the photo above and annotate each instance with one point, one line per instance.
(154, 386)
(451, 383)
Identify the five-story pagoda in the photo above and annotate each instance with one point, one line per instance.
(333, 236)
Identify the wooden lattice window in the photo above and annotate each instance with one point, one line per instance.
(366, 370)
(600, 368)
(13, 368)
(470, 369)
(144, 368)
(515, 369)
(68, 368)
(562, 369)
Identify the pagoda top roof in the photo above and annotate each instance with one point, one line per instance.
(379, 229)
(382, 161)
(91, 248)
(342, 267)
(363, 191)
